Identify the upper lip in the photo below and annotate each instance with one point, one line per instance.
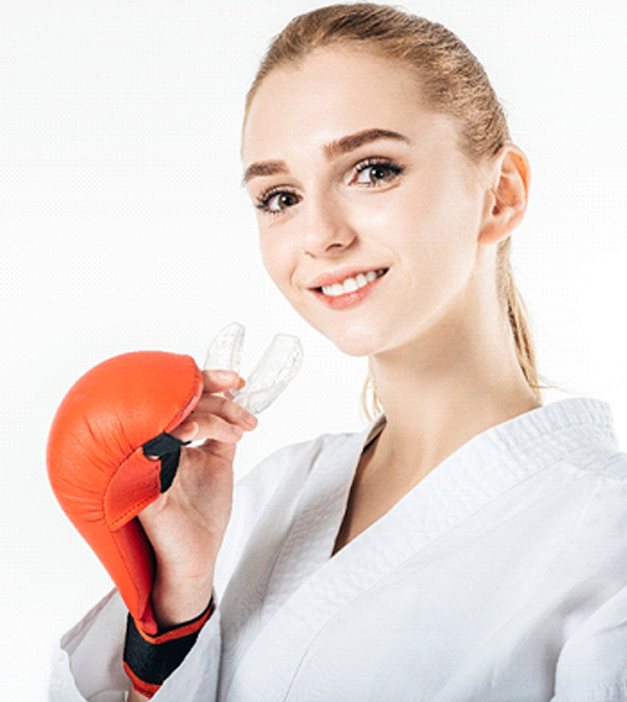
(341, 274)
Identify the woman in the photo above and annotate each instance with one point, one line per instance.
(468, 544)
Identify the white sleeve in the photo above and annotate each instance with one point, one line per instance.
(87, 661)
(593, 662)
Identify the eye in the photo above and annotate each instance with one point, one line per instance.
(263, 201)
(379, 165)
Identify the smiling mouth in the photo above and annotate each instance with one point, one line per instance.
(348, 300)
(385, 270)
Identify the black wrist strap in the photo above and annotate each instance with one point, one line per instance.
(150, 659)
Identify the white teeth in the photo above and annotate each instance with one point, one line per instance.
(351, 284)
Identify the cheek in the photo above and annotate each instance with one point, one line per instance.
(276, 262)
(437, 239)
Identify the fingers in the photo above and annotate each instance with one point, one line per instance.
(223, 406)
(218, 381)
(216, 417)
(208, 426)
(185, 431)
(227, 410)
(210, 403)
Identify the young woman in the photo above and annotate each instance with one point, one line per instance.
(468, 544)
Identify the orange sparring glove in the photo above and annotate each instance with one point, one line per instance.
(111, 419)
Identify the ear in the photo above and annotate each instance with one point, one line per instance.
(505, 205)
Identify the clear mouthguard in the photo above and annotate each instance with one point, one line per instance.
(279, 363)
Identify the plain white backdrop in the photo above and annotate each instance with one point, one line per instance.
(124, 227)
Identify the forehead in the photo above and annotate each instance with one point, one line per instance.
(334, 92)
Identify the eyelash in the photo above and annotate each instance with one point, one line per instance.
(265, 197)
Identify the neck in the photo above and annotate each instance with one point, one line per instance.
(458, 380)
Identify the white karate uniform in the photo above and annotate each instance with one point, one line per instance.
(500, 577)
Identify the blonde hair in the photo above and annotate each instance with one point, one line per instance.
(451, 80)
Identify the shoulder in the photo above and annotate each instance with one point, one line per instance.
(614, 468)
(592, 559)
(605, 484)
(602, 504)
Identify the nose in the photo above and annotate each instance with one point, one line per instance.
(325, 225)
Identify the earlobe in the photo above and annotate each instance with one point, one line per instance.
(491, 229)
(506, 204)
(500, 223)
(492, 232)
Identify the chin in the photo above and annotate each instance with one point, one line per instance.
(358, 347)
(354, 340)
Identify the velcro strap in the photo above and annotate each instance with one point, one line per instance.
(168, 449)
(150, 659)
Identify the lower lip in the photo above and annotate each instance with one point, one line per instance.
(340, 302)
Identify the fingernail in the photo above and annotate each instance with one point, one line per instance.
(240, 383)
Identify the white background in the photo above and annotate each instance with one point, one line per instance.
(124, 227)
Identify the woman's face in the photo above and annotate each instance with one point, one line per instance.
(409, 204)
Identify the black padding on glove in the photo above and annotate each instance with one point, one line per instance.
(168, 449)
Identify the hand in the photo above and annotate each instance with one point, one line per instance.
(186, 524)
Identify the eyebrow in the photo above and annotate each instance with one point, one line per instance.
(331, 150)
